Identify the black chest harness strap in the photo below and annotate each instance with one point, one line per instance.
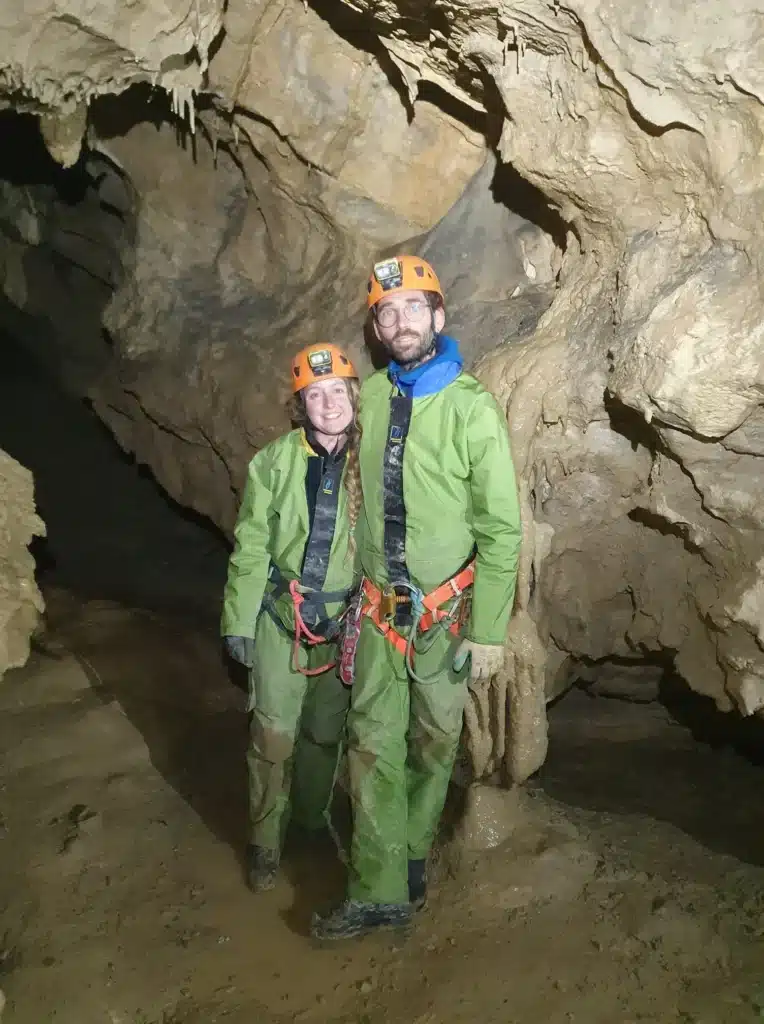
(394, 506)
(322, 484)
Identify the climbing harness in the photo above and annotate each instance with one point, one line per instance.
(426, 612)
(301, 632)
(305, 604)
(312, 623)
(401, 611)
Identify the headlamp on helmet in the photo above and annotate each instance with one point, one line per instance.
(389, 274)
(320, 362)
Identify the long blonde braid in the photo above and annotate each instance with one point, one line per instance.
(353, 468)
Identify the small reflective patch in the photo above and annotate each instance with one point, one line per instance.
(396, 435)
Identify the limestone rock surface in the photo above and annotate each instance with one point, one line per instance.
(20, 599)
(586, 176)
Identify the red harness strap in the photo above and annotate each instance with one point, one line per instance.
(301, 632)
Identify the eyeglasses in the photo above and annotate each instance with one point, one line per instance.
(414, 310)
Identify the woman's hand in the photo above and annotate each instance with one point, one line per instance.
(241, 649)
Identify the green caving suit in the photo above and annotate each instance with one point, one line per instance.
(297, 722)
(460, 497)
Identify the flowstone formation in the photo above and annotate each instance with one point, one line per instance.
(58, 57)
(585, 177)
(20, 600)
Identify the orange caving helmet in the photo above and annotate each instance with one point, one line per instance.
(320, 362)
(401, 273)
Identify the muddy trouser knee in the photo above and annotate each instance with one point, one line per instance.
(403, 738)
(296, 727)
(320, 744)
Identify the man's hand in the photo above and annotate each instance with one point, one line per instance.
(241, 649)
(485, 660)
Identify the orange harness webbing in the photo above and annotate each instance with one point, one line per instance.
(452, 588)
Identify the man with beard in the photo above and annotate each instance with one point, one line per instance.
(438, 537)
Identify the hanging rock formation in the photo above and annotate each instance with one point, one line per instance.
(586, 178)
(56, 60)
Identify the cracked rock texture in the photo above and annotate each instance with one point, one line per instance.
(585, 176)
(58, 56)
(20, 600)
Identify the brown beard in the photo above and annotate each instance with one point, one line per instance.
(425, 349)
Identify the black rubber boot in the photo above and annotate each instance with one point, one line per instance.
(353, 919)
(418, 884)
(262, 868)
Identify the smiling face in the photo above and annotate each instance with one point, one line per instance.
(328, 406)
(406, 325)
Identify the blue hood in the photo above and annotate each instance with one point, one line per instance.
(432, 376)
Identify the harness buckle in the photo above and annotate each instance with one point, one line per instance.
(388, 603)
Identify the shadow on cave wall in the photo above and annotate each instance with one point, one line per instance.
(70, 229)
(112, 531)
(678, 760)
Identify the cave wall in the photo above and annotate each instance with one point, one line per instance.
(645, 127)
(232, 247)
(617, 314)
(21, 603)
(55, 61)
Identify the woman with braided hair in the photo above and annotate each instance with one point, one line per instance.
(290, 579)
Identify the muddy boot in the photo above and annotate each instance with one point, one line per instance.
(418, 884)
(352, 919)
(262, 867)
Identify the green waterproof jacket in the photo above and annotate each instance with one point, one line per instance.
(459, 491)
(273, 527)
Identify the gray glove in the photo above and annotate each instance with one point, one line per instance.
(485, 660)
(241, 649)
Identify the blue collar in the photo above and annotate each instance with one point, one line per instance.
(432, 376)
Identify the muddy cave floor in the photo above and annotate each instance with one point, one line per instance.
(122, 802)
(630, 889)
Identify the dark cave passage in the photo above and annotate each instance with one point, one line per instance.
(112, 531)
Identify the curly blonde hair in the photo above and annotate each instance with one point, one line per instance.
(352, 476)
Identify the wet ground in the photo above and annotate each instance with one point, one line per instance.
(629, 887)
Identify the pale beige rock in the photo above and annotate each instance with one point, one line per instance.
(57, 57)
(20, 600)
(514, 848)
(64, 134)
(697, 360)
